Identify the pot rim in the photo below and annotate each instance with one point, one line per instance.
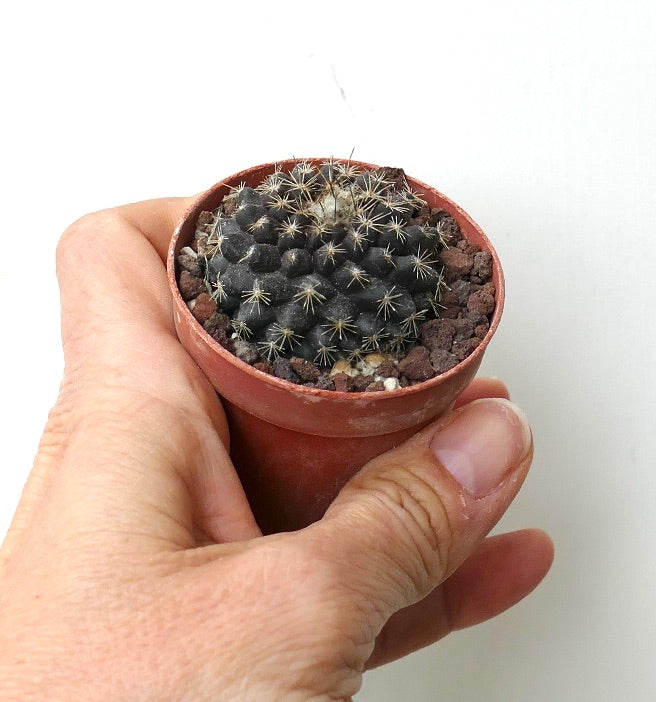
(216, 193)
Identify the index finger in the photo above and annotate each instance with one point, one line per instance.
(156, 219)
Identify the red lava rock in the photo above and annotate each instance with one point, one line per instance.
(416, 365)
(230, 206)
(442, 360)
(360, 383)
(463, 348)
(449, 299)
(480, 330)
(304, 369)
(388, 369)
(481, 302)
(219, 320)
(450, 313)
(475, 318)
(190, 286)
(219, 334)
(423, 216)
(203, 248)
(467, 247)
(204, 218)
(325, 382)
(394, 176)
(463, 329)
(376, 386)
(343, 382)
(434, 216)
(204, 308)
(451, 233)
(437, 334)
(190, 264)
(456, 263)
(282, 369)
(245, 351)
(482, 265)
(264, 366)
(461, 288)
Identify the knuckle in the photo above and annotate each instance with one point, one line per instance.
(308, 593)
(415, 519)
(81, 233)
(313, 565)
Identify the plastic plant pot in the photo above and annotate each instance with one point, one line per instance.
(295, 446)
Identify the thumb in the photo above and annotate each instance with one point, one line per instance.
(411, 516)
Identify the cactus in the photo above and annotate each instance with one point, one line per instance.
(324, 262)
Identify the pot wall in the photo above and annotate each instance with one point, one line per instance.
(294, 446)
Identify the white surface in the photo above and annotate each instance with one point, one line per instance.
(539, 121)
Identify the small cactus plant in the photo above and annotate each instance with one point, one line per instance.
(325, 262)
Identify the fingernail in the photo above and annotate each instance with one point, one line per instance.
(485, 440)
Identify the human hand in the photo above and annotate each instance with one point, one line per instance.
(134, 570)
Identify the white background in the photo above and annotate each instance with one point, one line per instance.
(539, 119)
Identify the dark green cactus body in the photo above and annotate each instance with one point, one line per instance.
(323, 263)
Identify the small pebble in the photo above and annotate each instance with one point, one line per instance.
(456, 263)
(360, 383)
(325, 382)
(482, 265)
(374, 359)
(449, 299)
(438, 334)
(442, 360)
(282, 369)
(388, 369)
(481, 302)
(376, 386)
(304, 369)
(245, 351)
(204, 308)
(343, 382)
(391, 384)
(450, 313)
(467, 247)
(204, 218)
(190, 286)
(190, 264)
(219, 320)
(416, 365)
(343, 366)
(462, 329)
(461, 288)
(481, 330)
(463, 348)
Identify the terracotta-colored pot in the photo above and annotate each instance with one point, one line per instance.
(294, 447)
